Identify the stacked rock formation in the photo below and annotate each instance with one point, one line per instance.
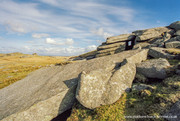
(114, 45)
(168, 37)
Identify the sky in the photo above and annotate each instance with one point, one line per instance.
(73, 27)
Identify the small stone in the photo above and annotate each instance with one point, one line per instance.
(141, 87)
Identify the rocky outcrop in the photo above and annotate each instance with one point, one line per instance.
(49, 91)
(155, 68)
(175, 25)
(154, 37)
(114, 45)
(102, 87)
(143, 35)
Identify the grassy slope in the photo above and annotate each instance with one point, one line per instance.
(16, 66)
(135, 103)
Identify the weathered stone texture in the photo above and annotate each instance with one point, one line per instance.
(175, 25)
(174, 44)
(157, 52)
(155, 68)
(102, 87)
(142, 35)
(122, 37)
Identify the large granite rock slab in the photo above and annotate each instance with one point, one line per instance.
(48, 92)
(120, 38)
(173, 114)
(102, 87)
(175, 25)
(155, 68)
(143, 35)
(157, 52)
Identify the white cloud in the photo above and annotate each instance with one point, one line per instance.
(100, 32)
(69, 41)
(40, 35)
(50, 41)
(58, 41)
(78, 22)
(91, 48)
(80, 17)
(15, 27)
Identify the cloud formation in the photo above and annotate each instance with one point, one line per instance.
(100, 32)
(57, 41)
(74, 25)
(40, 35)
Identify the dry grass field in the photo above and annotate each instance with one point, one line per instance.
(16, 66)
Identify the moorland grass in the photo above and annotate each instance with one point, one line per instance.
(16, 66)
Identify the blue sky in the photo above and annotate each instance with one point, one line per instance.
(72, 27)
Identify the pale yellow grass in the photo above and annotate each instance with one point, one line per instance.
(16, 66)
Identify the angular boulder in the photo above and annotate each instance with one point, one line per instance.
(174, 44)
(102, 87)
(155, 68)
(175, 25)
(143, 35)
(157, 52)
(47, 92)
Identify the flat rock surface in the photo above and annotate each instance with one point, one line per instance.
(114, 45)
(48, 82)
(122, 37)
